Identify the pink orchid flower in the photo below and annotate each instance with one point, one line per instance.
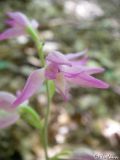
(64, 70)
(18, 23)
(69, 70)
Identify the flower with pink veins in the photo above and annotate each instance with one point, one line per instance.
(9, 103)
(18, 23)
(64, 70)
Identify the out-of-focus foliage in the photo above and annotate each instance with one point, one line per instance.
(91, 118)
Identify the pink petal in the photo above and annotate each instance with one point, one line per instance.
(85, 80)
(95, 70)
(74, 71)
(10, 33)
(6, 99)
(70, 71)
(19, 18)
(33, 83)
(51, 71)
(82, 61)
(73, 56)
(61, 86)
(58, 58)
(10, 22)
(7, 119)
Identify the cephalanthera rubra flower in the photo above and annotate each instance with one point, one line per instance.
(18, 23)
(64, 70)
(70, 71)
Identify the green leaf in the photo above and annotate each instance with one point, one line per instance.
(31, 116)
(33, 33)
(51, 88)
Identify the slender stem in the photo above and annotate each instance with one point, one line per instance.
(46, 122)
(40, 53)
(39, 46)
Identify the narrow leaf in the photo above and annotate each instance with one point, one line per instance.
(31, 116)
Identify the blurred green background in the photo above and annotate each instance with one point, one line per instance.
(91, 119)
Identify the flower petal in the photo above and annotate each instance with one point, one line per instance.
(10, 22)
(95, 70)
(6, 99)
(74, 71)
(51, 71)
(70, 71)
(10, 33)
(82, 61)
(61, 86)
(19, 18)
(33, 83)
(8, 118)
(85, 80)
(58, 58)
(73, 56)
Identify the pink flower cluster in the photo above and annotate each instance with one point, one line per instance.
(64, 70)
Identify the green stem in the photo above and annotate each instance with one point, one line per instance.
(39, 44)
(47, 122)
(34, 34)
